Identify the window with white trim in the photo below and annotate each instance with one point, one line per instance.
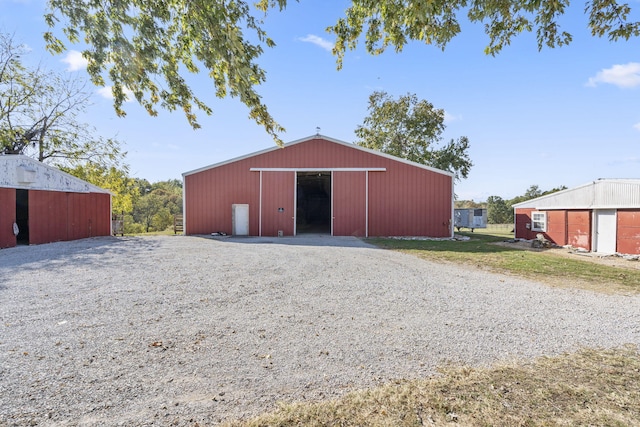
(539, 221)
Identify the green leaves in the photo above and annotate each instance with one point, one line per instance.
(151, 47)
(412, 129)
(396, 22)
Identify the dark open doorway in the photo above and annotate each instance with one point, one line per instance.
(313, 213)
(22, 216)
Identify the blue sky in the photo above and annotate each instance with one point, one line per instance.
(561, 116)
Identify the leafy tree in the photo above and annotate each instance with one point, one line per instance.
(111, 178)
(145, 209)
(158, 203)
(468, 204)
(144, 186)
(150, 47)
(534, 192)
(163, 219)
(396, 22)
(412, 129)
(498, 211)
(146, 46)
(39, 115)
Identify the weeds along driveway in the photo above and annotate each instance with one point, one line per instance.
(174, 329)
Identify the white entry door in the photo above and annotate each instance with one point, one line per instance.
(605, 231)
(240, 220)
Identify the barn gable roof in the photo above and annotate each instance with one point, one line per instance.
(23, 172)
(599, 194)
(325, 138)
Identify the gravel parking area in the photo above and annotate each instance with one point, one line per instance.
(174, 330)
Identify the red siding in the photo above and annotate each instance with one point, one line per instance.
(579, 229)
(7, 217)
(349, 204)
(523, 217)
(209, 196)
(57, 216)
(556, 227)
(563, 227)
(404, 200)
(628, 240)
(277, 203)
(409, 201)
(39, 217)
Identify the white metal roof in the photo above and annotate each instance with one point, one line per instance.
(599, 194)
(23, 172)
(326, 138)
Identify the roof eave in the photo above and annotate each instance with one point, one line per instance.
(310, 138)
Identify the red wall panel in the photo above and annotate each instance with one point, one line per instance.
(349, 204)
(277, 203)
(556, 227)
(404, 200)
(209, 196)
(409, 201)
(58, 216)
(579, 229)
(628, 240)
(523, 217)
(103, 214)
(7, 217)
(74, 228)
(563, 227)
(38, 217)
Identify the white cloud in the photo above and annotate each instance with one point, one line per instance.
(105, 92)
(448, 117)
(318, 41)
(75, 61)
(637, 126)
(623, 76)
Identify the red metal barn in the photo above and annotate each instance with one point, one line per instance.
(44, 204)
(319, 185)
(601, 216)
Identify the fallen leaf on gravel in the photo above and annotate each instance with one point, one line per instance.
(156, 344)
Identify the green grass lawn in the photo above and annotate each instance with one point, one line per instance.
(482, 251)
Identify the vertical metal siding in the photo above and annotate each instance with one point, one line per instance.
(277, 193)
(556, 227)
(209, 197)
(409, 201)
(404, 200)
(58, 216)
(7, 217)
(349, 204)
(616, 194)
(74, 217)
(523, 217)
(628, 238)
(38, 217)
(579, 229)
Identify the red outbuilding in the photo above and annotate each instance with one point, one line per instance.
(319, 185)
(42, 204)
(601, 216)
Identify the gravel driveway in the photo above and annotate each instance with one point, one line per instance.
(177, 330)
